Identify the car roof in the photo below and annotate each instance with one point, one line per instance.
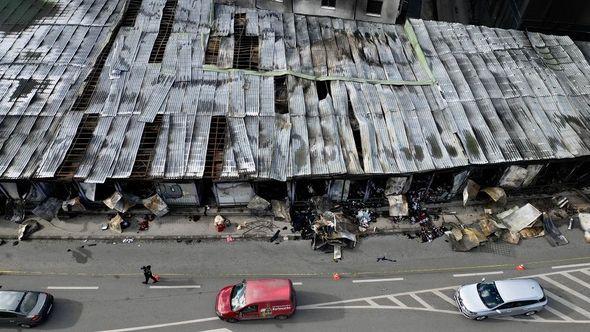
(267, 290)
(519, 290)
(9, 300)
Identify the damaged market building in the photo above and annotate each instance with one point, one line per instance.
(196, 103)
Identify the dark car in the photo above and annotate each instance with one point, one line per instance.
(24, 308)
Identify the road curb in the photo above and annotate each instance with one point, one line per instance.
(208, 237)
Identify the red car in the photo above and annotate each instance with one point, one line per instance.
(256, 299)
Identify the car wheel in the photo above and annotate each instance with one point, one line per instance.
(26, 326)
(481, 317)
(530, 313)
(231, 320)
(282, 317)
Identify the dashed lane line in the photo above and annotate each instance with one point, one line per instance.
(460, 275)
(72, 287)
(360, 281)
(175, 287)
(298, 283)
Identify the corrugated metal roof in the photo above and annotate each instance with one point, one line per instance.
(500, 95)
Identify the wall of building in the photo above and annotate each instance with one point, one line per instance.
(389, 11)
(285, 6)
(550, 16)
(344, 8)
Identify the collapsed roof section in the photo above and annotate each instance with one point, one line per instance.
(195, 90)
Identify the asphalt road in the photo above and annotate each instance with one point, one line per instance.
(98, 287)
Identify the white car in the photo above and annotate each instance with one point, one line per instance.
(500, 298)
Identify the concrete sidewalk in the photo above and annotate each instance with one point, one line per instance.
(179, 227)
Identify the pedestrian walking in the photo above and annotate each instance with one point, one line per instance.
(207, 207)
(147, 273)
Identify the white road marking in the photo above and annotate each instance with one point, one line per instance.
(157, 326)
(358, 281)
(445, 297)
(586, 272)
(72, 287)
(373, 303)
(567, 289)
(537, 317)
(387, 307)
(567, 303)
(218, 330)
(422, 302)
(477, 274)
(578, 280)
(298, 283)
(559, 314)
(568, 266)
(396, 301)
(175, 287)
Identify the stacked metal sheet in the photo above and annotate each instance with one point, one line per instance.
(325, 97)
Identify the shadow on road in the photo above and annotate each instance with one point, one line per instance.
(65, 315)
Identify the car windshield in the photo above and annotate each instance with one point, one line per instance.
(28, 303)
(238, 298)
(489, 294)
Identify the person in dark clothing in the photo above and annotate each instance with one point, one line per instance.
(147, 273)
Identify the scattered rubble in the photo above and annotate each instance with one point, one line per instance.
(334, 230)
(117, 201)
(73, 205)
(156, 205)
(258, 205)
(27, 228)
(15, 211)
(520, 218)
(280, 210)
(275, 236)
(552, 233)
(115, 223)
(48, 209)
(220, 223)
